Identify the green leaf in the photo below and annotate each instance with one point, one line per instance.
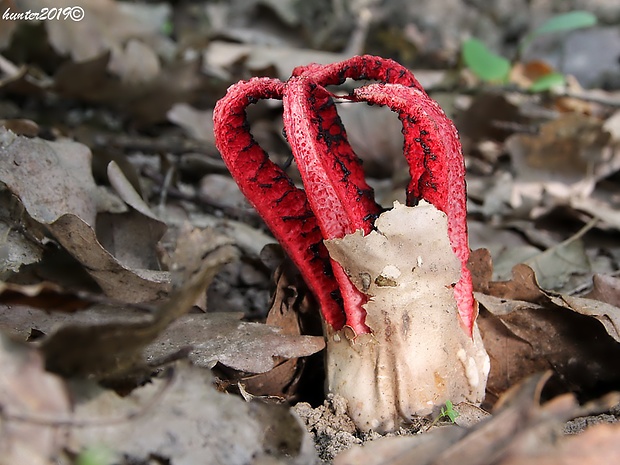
(95, 455)
(566, 22)
(167, 28)
(485, 64)
(547, 82)
(449, 412)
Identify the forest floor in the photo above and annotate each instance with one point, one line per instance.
(148, 315)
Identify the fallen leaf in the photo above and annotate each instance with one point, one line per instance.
(191, 423)
(519, 428)
(60, 171)
(608, 315)
(288, 304)
(221, 337)
(105, 350)
(198, 124)
(116, 280)
(31, 400)
(258, 58)
(43, 295)
(598, 444)
(581, 350)
(606, 289)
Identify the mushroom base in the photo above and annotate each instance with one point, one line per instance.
(418, 355)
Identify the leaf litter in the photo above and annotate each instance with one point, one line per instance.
(92, 281)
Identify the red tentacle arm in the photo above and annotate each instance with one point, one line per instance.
(332, 176)
(283, 207)
(331, 171)
(365, 67)
(437, 171)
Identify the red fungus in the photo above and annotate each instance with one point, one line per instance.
(336, 202)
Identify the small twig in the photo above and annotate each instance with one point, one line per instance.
(590, 98)
(579, 234)
(210, 206)
(165, 186)
(172, 145)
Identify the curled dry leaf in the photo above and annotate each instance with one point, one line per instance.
(65, 202)
(526, 329)
(126, 190)
(105, 350)
(290, 303)
(116, 280)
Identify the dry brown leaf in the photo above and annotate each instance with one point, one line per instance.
(148, 103)
(198, 124)
(127, 191)
(608, 315)
(480, 119)
(29, 398)
(522, 286)
(525, 74)
(116, 280)
(115, 348)
(597, 445)
(221, 337)
(287, 305)
(132, 239)
(606, 289)
(190, 424)
(512, 358)
(518, 428)
(59, 170)
(44, 295)
(563, 163)
(528, 328)
(566, 150)
(258, 58)
(480, 265)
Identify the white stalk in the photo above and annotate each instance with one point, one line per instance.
(418, 356)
